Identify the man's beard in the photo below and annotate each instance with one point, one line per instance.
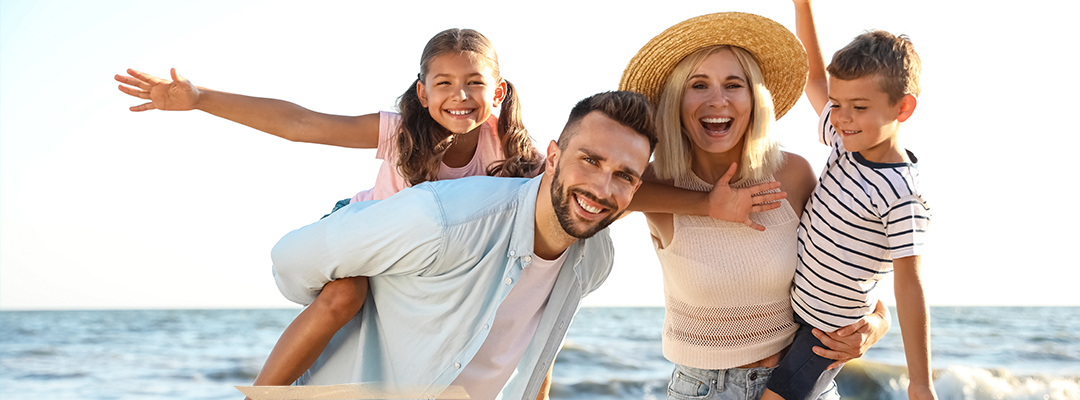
(560, 200)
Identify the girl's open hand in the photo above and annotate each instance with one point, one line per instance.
(736, 204)
(175, 95)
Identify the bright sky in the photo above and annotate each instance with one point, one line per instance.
(104, 208)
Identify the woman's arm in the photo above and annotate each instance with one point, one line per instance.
(276, 117)
(852, 341)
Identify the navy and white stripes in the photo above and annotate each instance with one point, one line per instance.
(861, 216)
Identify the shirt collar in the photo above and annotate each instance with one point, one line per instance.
(522, 239)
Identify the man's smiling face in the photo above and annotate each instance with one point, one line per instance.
(597, 174)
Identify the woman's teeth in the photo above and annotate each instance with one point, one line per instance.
(716, 124)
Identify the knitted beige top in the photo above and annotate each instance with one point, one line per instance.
(727, 286)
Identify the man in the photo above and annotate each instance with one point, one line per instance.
(475, 280)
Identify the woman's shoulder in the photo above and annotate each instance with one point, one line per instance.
(797, 178)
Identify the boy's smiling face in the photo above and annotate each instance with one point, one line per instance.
(866, 120)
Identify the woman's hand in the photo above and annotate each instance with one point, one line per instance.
(175, 95)
(852, 341)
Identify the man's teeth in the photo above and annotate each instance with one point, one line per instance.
(593, 210)
(459, 112)
(715, 120)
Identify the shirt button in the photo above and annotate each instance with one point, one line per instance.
(457, 365)
(513, 253)
(486, 326)
(509, 281)
(527, 259)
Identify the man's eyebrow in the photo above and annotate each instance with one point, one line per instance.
(591, 154)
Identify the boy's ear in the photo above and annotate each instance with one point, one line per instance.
(421, 93)
(552, 156)
(907, 107)
(500, 93)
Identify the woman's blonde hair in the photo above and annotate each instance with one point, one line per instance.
(761, 155)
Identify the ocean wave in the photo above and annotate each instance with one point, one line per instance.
(869, 380)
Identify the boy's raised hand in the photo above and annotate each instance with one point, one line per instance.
(175, 95)
(736, 204)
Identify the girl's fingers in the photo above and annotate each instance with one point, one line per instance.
(764, 187)
(145, 77)
(754, 225)
(143, 107)
(726, 179)
(765, 207)
(769, 197)
(134, 92)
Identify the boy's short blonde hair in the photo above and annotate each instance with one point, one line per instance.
(892, 58)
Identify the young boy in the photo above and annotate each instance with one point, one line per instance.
(867, 217)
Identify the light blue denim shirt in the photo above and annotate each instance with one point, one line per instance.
(441, 256)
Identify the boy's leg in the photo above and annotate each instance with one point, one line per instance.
(307, 336)
(801, 374)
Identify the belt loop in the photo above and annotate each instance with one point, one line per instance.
(719, 382)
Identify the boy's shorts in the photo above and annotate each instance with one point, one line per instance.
(801, 374)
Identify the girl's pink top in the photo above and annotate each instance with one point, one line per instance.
(389, 181)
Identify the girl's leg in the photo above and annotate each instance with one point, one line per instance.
(307, 336)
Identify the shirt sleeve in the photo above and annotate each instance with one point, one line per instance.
(906, 226)
(401, 235)
(388, 126)
(826, 132)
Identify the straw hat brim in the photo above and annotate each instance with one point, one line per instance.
(778, 52)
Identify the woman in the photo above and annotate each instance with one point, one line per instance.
(718, 80)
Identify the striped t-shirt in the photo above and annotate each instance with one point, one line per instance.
(861, 216)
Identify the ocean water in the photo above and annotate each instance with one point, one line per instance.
(610, 353)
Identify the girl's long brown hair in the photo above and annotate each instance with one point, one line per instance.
(422, 141)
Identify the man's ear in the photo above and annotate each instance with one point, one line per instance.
(907, 107)
(552, 156)
(500, 93)
(421, 93)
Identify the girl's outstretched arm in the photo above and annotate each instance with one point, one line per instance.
(817, 83)
(276, 117)
(723, 202)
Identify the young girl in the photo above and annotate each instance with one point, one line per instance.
(445, 130)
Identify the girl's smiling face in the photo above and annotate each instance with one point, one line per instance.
(717, 104)
(460, 91)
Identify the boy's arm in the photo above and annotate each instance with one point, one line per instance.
(914, 319)
(276, 117)
(723, 202)
(817, 83)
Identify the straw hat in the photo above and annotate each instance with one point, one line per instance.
(778, 52)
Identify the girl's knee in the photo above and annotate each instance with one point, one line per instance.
(343, 298)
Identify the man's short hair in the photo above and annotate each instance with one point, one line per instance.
(892, 58)
(629, 109)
